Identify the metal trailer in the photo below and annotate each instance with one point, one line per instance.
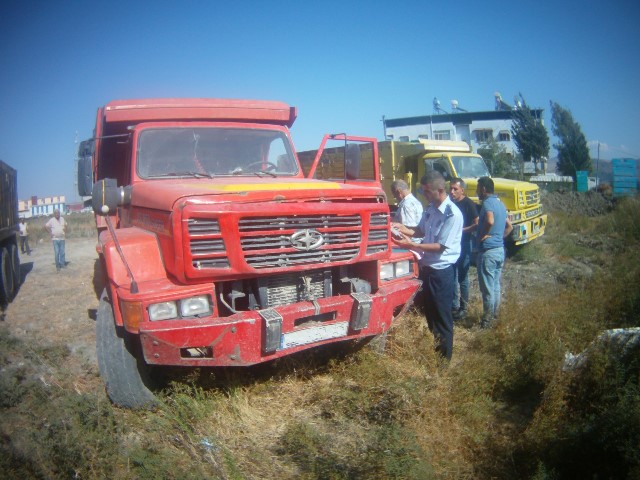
(9, 258)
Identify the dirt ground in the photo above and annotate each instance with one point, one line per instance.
(58, 309)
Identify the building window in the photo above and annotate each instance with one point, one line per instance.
(484, 135)
(404, 138)
(504, 136)
(423, 137)
(442, 135)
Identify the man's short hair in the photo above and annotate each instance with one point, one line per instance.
(460, 182)
(486, 183)
(399, 186)
(433, 178)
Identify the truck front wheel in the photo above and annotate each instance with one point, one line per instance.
(123, 370)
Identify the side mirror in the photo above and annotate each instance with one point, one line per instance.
(85, 176)
(85, 168)
(107, 196)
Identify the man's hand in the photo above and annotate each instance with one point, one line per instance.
(404, 242)
(404, 230)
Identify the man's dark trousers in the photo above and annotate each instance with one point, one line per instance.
(437, 287)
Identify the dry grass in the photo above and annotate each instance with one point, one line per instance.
(502, 409)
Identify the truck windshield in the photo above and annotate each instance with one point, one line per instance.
(211, 151)
(467, 166)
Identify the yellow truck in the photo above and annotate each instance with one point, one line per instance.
(410, 160)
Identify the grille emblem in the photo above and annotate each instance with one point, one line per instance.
(307, 239)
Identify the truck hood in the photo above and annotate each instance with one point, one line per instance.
(502, 183)
(163, 194)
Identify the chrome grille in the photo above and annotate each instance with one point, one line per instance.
(266, 241)
(284, 241)
(272, 236)
(252, 224)
(294, 257)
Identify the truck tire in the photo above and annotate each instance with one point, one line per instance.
(6, 277)
(123, 370)
(15, 267)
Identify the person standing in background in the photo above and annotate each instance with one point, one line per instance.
(470, 214)
(24, 237)
(56, 227)
(493, 226)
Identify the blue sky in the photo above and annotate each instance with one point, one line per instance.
(343, 64)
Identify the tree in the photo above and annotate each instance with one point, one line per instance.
(499, 162)
(529, 134)
(573, 152)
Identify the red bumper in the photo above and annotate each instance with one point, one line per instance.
(244, 339)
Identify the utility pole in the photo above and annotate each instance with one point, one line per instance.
(75, 180)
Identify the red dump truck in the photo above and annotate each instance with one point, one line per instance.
(9, 258)
(218, 251)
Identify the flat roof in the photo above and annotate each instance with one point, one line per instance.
(460, 118)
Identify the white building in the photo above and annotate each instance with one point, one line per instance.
(475, 128)
(37, 207)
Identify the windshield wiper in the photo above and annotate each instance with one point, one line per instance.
(262, 172)
(185, 174)
(240, 171)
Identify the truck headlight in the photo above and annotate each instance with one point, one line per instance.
(403, 268)
(389, 271)
(187, 307)
(163, 311)
(190, 307)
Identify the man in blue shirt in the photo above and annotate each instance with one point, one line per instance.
(493, 226)
(441, 229)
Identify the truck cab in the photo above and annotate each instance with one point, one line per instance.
(219, 251)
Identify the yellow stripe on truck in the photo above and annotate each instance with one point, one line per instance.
(254, 187)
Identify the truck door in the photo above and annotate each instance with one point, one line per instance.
(347, 159)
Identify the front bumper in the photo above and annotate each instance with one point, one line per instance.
(528, 230)
(247, 338)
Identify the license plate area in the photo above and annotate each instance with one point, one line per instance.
(314, 334)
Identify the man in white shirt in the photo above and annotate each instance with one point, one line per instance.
(409, 212)
(441, 229)
(57, 227)
(24, 237)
